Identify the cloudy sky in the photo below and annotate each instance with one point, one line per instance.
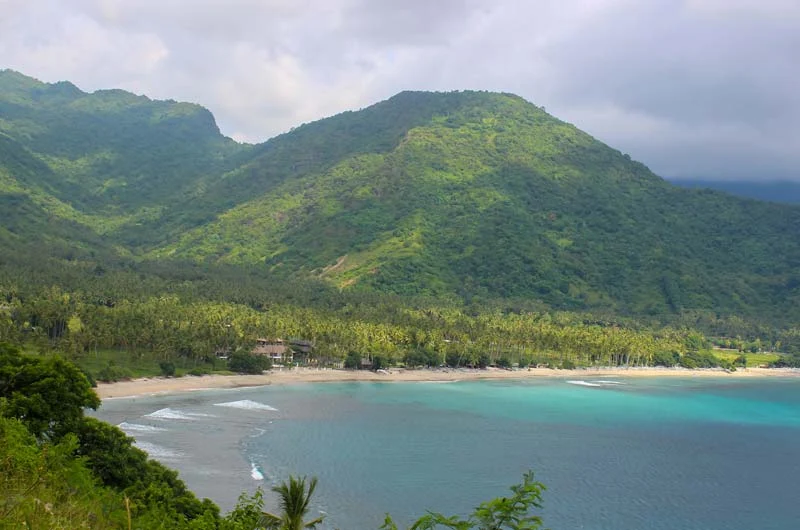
(693, 88)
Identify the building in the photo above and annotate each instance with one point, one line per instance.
(277, 350)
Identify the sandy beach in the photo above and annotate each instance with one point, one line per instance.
(161, 385)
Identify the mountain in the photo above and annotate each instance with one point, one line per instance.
(461, 194)
(107, 158)
(773, 191)
(488, 194)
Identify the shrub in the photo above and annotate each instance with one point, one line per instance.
(786, 361)
(167, 368)
(666, 358)
(483, 360)
(353, 361)
(421, 357)
(695, 359)
(379, 362)
(89, 377)
(247, 363)
(455, 359)
(504, 362)
(113, 373)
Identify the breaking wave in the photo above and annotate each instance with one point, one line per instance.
(157, 451)
(255, 473)
(246, 404)
(583, 383)
(596, 383)
(136, 427)
(172, 414)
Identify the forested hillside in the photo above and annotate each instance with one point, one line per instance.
(493, 197)
(462, 197)
(105, 159)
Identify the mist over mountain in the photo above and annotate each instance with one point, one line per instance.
(774, 191)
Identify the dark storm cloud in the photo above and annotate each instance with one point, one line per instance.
(692, 88)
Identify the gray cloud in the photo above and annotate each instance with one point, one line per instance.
(705, 88)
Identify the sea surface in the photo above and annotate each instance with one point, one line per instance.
(621, 454)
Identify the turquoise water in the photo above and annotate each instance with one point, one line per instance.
(627, 454)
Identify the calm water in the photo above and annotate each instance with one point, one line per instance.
(629, 454)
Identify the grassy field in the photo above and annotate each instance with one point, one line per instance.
(114, 364)
(754, 360)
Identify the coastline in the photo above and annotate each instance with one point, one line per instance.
(163, 385)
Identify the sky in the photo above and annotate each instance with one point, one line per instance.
(692, 88)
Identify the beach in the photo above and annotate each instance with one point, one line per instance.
(169, 385)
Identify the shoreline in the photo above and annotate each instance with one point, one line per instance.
(162, 385)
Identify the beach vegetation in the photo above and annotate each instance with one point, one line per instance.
(167, 368)
(702, 359)
(353, 361)
(248, 363)
(786, 361)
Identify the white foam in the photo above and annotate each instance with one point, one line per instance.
(255, 473)
(246, 404)
(136, 427)
(583, 383)
(157, 451)
(172, 414)
(595, 383)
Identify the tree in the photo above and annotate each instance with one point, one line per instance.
(167, 368)
(294, 501)
(353, 361)
(502, 513)
(48, 395)
(248, 363)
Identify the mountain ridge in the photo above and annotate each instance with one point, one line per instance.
(442, 194)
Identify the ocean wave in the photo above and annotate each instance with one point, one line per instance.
(583, 383)
(172, 414)
(157, 451)
(594, 383)
(136, 427)
(255, 473)
(246, 404)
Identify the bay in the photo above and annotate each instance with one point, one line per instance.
(623, 454)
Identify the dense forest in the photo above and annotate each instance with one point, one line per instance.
(456, 196)
(126, 319)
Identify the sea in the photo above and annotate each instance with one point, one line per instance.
(617, 454)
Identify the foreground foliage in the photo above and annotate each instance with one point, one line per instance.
(504, 513)
(64, 470)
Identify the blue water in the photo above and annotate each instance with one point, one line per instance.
(645, 454)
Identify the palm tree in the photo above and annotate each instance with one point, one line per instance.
(294, 501)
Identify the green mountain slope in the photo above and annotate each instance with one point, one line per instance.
(111, 155)
(465, 194)
(492, 196)
(32, 217)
